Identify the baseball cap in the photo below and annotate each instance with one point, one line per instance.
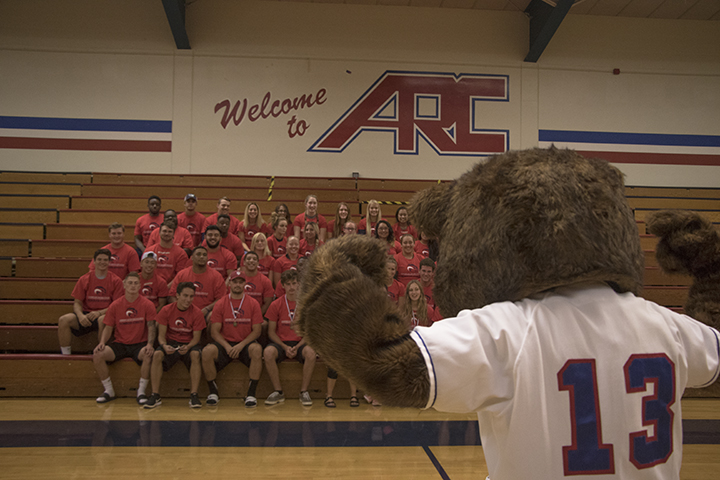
(237, 274)
(148, 255)
(190, 196)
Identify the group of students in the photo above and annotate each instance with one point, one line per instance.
(204, 289)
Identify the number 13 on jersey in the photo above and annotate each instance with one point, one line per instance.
(588, 455)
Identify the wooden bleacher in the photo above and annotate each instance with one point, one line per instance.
(51, 223)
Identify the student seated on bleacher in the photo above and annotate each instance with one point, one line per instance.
(219, 257)
(131, 318)
(152, 286)
(285, 343)
(181, 237)
(227, 239)
(252, 224)
(427, 279)
(93, 294)
(180, 327)
(236, 324)
(192, 219)
(223, 208)
(257, 285)
(277, 242)
(287, 261)
(170, 258)
(145, 224)
(123, 257)
(259, 245)
(209, 284)
(310, 215)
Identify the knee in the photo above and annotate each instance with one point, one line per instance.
(158, 356)
(309, 354)
(195, 356)
(270, 354)
(255, 351)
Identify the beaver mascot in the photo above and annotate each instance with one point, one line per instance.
(544, 337)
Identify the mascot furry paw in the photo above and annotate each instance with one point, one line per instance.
(539, 265)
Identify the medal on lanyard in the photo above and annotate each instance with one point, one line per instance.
(233, 309)
(290, 313)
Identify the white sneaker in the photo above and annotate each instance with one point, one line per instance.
(213, 399)
(250, 402)
(274, 398)
(305, 399)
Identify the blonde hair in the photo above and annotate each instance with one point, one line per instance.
(253, 243)
(339, 223)
(316, 229)
(259, 222)
(406, 311)
(368, 222)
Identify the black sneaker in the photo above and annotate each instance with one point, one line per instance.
(153, 401)
(195, 401)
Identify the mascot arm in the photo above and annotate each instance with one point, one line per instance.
(344, 313)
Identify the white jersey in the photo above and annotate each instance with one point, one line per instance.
(578, 382)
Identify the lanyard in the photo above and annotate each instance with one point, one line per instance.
(290, 313)
(233, 309)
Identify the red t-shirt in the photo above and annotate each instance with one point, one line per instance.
(232, 244)
(209, 286)
(250, 231)
(222, 260)
(146, 224)
(414, 321)
(169, 261)
(399, 231)
(284, 263)
(277, 247)
(130, 319)
(259, 287)
(437, 316)
(301, 220)
(427, 291)
(235, 224)
(182, 238)
(362, 227)
(265, 264)
(307, 250)
(194, 224)
(282, 312)
(123, 260)
(396, 291)
(181, 323)
(422, 249)
(98, 293)
(153, 288)
(237, 317)
(394, 249)
(408, 269)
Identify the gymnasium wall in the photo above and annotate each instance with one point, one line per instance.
(325, 89)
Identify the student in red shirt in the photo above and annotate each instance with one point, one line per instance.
(181, 237)
(236, 324)
(93, 294)
(131, 318)
(219, 257)
(192, 220)
(350, 228)
(277, 242)
(123, 258)
(415, 309)
(180, 327)
(374, 215)
(170, 258)
(287, 261)
(384, 232)
(402, 224)
(427, 276)
(260, 247)
(152, 286)
(285, 343)
(408, 261)
(311, 240)
(147, 223)
(227, 239)
(395, 289)
(223, 208)
(252, 223)
(257, 285)
(421, 246)
(310, 215)
(209, 284)
(335, 226)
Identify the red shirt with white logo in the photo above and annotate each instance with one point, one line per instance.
(251, 230)
(236, 317)
(194, 224)
(123, 260)
(130, 319)
(306, 249)
(146, 224)
(153, 288)
(181, 323)
(97, 293)
(427, 291)
(259, 287)
(422, 249)
(283, 264)
(222, 260)
(232, 244)
(277, 247)
(282, 312)
(302, 220)
(408, 269)
(169, 260)
(396, 291)
(399, 231)
(235, 224)
(265, 264)
(209, 286)
(181, 238)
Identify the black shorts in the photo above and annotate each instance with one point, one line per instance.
(124, 351)
(172, 359)
(81, 330)
(223, 359)
(281, 353)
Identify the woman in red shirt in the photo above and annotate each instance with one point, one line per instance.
(310, 215)
(402, 224)
(374, 215)
(342, 215)
(415, 309)
(266, 261)
(277, 242)
(311, 240)
(384, 232)
(408, 261)
(251, 224)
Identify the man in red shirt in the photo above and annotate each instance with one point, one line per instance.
(147, 223)
(285, 343)
(93, 294)
(132, 319)
(228, 240)
(219, 257)
(181, 237)
(427, 274)
(257, 285)
(152, 286)
(180, 327)
(123, 258)
(170, 258)
(209, 284)
(223, 208)
(192, 219)
(236, 325)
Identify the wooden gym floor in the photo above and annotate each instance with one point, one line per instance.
(75, 438)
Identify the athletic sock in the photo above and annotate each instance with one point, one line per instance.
(142, 386)
(107, 383)
(213, 387)
(252, 388)
(66, 350)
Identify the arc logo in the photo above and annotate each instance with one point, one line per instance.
(146, 290)
(191, 228)
(198, 286)
(114, 258)
(239, 312)
(212, 263)
(99, 290)
(250, 287)
(162, 259)
(180, 322)
(130, 312)
(281, 249)
(412, 268)
(444, 109)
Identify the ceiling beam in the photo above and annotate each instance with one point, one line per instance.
(175, 12)
(544, 22)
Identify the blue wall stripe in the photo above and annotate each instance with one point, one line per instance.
(571, 136)
(91, 124)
